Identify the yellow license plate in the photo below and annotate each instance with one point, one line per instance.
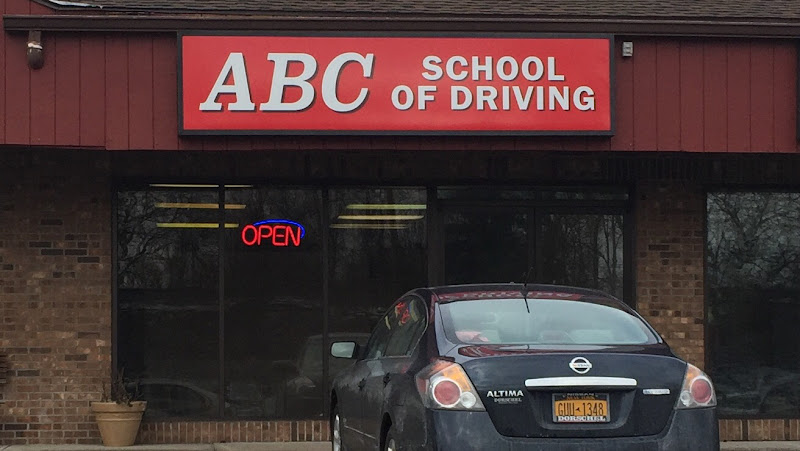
(580, 408)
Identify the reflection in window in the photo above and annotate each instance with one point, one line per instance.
(273, 303)
(753, 260)
(506, 321)
(485, 246)
(377, 252)
(271, 325)
(168, 264)
(583, 250)
(167, 275)
(408, 320)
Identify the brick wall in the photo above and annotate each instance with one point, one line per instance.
(670, 246)
(759, 430)
(670, 242)
(234, 431)
(55, 293)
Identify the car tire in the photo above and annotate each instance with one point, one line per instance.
(390, 444)
(336, 431)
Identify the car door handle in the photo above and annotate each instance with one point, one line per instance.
(361, 384)
(386, 378)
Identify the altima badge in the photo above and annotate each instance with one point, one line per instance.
(505, 396)
(580, 365)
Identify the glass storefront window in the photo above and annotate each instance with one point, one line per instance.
(273, 303)
(753, 261)
(271, 325)
(486, 246)
(377, 253)
(583, 250)
(516, 244)
(222, 293)
(167, 260)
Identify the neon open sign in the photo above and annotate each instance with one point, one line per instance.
(278, 232)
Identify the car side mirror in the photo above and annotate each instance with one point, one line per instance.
(344, 349)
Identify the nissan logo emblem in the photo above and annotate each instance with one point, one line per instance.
(580, 365)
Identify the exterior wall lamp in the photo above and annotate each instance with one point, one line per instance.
(35, 50)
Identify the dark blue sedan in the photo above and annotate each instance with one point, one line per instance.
(518, 367)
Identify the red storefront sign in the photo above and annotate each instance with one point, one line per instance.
(379, 84)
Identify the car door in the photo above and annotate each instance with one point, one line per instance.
(406, 321)
(355, 391)
(348, 396)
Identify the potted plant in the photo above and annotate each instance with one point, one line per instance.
(118, 413)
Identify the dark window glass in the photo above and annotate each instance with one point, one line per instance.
(169, 282)
(376, 347)
(273, 303)
(583, 250)
(543, 322)
(485, 246)
(377, 252)
(168, 295)
(170, 399)
(496, 245)
(753, 261)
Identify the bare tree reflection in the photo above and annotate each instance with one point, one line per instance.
(584, 250)
(167, 279)
(753, 254)
(156, 257)
(382, 263)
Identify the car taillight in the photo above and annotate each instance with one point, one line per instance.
(445, 385)
(446, 392)
(697, 390)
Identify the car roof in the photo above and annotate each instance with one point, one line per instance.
(449, 293)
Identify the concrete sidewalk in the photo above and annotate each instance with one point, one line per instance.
(760, 446)
(324, 446)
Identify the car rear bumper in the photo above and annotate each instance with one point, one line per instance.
(696, 430)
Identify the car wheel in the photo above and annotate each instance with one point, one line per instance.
(391, 444)
(336, 430)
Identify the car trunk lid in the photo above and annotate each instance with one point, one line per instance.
(550, 393)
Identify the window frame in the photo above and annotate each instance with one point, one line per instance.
(374, 334)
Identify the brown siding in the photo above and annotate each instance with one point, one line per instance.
(3, 108)
(17, 108)
(691, 96)
(668, 98)
(118, 91)
(91, 108)
(645, 85)
(67, 95)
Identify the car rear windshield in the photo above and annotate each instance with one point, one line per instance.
(550, 322)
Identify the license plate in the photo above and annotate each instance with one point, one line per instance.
(580, 408)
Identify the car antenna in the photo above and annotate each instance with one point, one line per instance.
(524, 289)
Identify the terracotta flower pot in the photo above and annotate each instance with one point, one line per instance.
(118, 423)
